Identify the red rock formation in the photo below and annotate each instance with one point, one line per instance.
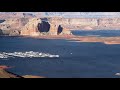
(31, 28)
(8, 15)
(69, 23)
(56, 22)
(74, 22)
(53, 29)
(13, 26)
(87, 23)
(15, 23)
(109, 22)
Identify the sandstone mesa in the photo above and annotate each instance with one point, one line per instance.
(31, 27)
(34, 26)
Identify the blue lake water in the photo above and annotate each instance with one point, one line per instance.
(76, 59)
(99, 33)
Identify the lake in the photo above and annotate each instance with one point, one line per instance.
(98, 33)
(76, 59)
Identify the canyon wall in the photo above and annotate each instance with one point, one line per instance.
(13, 26)
(109, 22)
(55, 25)
(15, 23)
(74, 21)
(88, 23)
(37, 27)
(31, 28)
(8, 15)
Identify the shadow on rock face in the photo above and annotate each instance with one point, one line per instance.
(1, 33)
(44, 26)
(60, 29)
(1, 21)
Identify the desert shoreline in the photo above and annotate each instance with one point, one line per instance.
(75, 38)
(4, 73)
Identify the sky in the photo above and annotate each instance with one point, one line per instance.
(84, 14)
(75, 14)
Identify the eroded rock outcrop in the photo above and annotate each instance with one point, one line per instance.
(15, 23)
(31, 28)
(9, 15)
(58, 26)
(14, 33)
(55, 25)
(12, 26)
(74, 23)
(88, 23)
(37, 26)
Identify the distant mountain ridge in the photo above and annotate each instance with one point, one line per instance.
(61, 14)
(6, 15)
(83, 14)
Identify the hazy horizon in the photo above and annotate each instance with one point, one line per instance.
(72, 14)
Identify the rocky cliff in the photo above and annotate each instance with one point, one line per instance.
(55, 25)
(31, 28)
(41, 26)
(13, 23)
(13, 26)
(88, 23)
(8, 15)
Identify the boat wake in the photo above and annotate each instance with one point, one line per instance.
(29, 54)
